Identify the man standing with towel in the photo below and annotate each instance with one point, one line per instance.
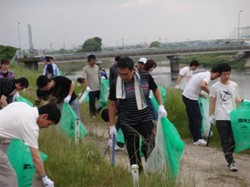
(132, 90)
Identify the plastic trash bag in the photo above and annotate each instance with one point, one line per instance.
(240, 122)
(21, 160)
(204, 108)
(104, 93)
(167, 153)
(22, 99)
(166, 156)
(68, 122)
(84, 97)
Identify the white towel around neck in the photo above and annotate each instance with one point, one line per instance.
(139, 95)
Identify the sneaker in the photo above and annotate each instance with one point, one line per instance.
(118, 148)
(200, 142)
(232, 166)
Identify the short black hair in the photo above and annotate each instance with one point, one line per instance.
(117, 58)
(105, 114)
(194, 63)
(224, 68)
(41, 94)
(23, 82)
(125, 62)
(80, 80)
(91, 56)
(42, 81)
(48, 58)
(54, 113)
(5, 61)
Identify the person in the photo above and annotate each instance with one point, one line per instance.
(80, 80)
(190, 96)
(50, 69)
(21, 121)
(91, 78)
(141, 63)
(103, 73)
(57, 90)
(6, 73)
(113, 70)
(8, 86)
(186, 74)
(135, 115)
(150, 65)
(224, 95)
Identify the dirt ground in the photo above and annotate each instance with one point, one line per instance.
(202, 166)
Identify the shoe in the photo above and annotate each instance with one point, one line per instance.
(200, 142)
(232, 167)
(118, 148)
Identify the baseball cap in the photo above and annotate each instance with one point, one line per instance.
(142, 60)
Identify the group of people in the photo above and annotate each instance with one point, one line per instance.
(129, 107)
(223, 98)
(21, 121)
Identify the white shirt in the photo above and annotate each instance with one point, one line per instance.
(186, 74)
(18, 121)
(225, 96)
(193, 88)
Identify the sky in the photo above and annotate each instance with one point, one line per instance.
(67, 24)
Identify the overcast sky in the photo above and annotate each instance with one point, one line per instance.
(68, 23)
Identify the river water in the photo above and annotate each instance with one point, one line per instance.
(162, 76)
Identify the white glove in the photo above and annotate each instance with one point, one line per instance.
(112, 131)
(204, 94)
(177, 87)
(88, 89)
(67, 99)
(47, 182)
(162, 111)
(212, 119)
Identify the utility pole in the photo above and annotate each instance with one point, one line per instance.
(19, 38)
(239, 24)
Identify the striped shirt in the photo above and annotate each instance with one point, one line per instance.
(129, 114)
(7, 86)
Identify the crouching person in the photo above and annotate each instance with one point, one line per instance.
(21, 121)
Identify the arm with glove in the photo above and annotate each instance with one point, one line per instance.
(112, 113)
(71, 90)
(211, 110)
(161, 110)
(40, 167)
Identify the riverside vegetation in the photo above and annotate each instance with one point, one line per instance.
(76, 165)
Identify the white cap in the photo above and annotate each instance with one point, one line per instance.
(143, 60)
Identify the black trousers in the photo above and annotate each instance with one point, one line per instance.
(227, 139)
(132, 135)
(194, 117)
(93, 96)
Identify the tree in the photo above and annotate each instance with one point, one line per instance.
(7, 52)
(155, 44)
(92, 44)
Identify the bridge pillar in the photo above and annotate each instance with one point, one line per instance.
(247, 65)
(30, 63)
(174, 66)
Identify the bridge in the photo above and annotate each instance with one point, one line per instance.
(172, 54)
